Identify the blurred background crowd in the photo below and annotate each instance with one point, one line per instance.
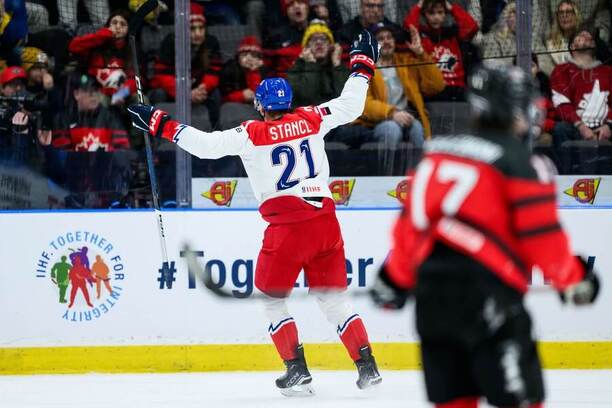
(66, 76)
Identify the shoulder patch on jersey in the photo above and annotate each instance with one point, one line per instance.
(324, 110)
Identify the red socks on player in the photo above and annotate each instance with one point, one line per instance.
(285, 337)
(353, 335)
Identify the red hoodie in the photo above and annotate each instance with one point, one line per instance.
(100, 66)
(443, 43)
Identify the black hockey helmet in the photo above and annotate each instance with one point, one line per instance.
(499, 95)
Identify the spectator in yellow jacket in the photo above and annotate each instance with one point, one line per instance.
(395, 105)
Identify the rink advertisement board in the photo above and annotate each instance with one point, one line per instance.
(385, 192)
(49, 300)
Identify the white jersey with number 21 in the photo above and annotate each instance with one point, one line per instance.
(286, 156)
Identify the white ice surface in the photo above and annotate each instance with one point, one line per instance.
(335, 389)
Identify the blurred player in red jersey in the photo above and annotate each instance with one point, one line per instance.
(480, 213)
(285, 159)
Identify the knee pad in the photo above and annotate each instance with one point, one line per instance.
(335, 306)
(275, 309)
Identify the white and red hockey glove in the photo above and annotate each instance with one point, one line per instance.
(154, 121)
(364, 54)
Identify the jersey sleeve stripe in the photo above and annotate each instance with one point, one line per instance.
(544, 229)
(499, 243)
(536, 199)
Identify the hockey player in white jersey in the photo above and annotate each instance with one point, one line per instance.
(285, 160)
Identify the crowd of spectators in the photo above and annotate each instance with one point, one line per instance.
(66, 72)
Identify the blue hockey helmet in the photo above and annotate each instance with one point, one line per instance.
(273, 94)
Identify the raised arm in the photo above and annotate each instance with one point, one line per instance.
(349, 105)
(205, 145)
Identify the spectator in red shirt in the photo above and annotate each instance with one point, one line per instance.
(106, 55)
(443, 41)
(581, 94)
(206, 65)
(283, 44)
(239, 79)
(91, 126)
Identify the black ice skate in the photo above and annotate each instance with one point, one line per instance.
(296, 381)
(367, 369)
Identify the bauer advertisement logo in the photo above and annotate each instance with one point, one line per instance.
(584, 190)
(221, 192)
(400, 192)
(341, 190)
(84, 272)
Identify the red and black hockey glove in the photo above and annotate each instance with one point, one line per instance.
(154, 121)
(364, 54)
(584, 292)
(386, 294)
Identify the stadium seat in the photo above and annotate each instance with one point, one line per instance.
(233, 114)
(336, 146)
(448, 118)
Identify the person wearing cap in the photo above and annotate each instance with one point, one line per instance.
(13, 144)
(41, 85)
(87, 125)
(35, 62)
(283, 43)
(318, 74)
(106, 56)
(581, 91)
(12, 80)
(239, 80)
(206, 64)
(395, 105)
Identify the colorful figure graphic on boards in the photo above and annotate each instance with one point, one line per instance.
(59, 276)
(78, 275)
(100, 271)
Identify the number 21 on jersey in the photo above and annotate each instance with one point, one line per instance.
(463, 177)
(290, 156)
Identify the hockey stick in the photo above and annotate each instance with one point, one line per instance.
(204, 276)
(134, 27)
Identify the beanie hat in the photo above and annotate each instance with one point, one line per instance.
(32, 57)
(10, 73)
(286, 3)
(317, 26)
(249, 43)
(196, 13)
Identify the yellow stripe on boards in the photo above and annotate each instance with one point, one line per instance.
(253, 357)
